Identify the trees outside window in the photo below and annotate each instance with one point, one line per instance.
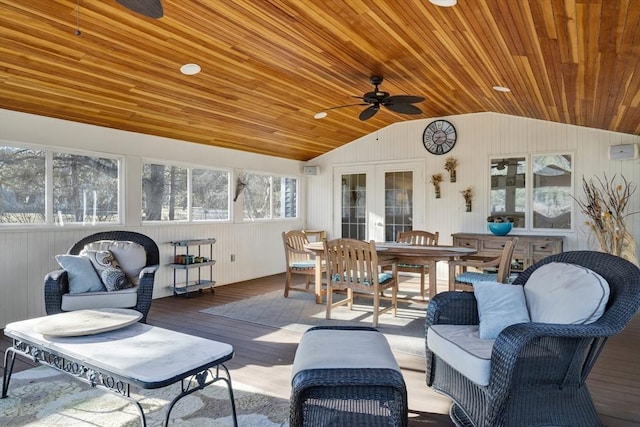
(269, 197)
(177, 193)
(83, 188)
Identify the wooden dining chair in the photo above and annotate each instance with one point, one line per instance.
(352, 265)
(315, 235)
(462, 279)
(298, 261)
(415, 237)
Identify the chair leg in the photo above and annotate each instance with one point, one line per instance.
(376, 309)
(422, 274)
(350, 298)
(287, 283)
(394, 299)
(329, 300)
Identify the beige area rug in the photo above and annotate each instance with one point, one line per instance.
(299, 312)
(45, 397)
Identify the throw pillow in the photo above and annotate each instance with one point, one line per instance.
(566, 293)
(82, 276)
(108, 269)
(499, 305)
(114, 279)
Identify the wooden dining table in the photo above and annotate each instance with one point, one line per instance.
(403, 253)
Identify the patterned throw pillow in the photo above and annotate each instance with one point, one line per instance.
(111, 275)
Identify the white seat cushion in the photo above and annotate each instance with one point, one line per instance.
(461, 347)
(131, 256)
(566, 293)
(126, 298)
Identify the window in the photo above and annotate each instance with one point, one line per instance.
(269, 197)
(83, 188)
(550, 182)
(22, 186)
(177, 193)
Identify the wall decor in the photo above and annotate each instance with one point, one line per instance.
(450, 165)
(439, 137)
(467, 193)
(436, 179)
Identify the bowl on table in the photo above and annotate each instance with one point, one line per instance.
(500, 228)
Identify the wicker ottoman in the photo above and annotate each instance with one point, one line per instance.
(346, 376)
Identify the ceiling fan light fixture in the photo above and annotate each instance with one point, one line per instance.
(444, 3)
(190, 69)
(501, 89)
(320, 115)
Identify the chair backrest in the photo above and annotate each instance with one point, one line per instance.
(315, 235)
(294, 242)
(504, 268)
(150, 247)
(418, 237)
(622, 276)
(351, 263)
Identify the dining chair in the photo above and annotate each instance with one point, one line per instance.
(415, 237)
(352, 265)
(462, 279)
(298, 261)
(315, 235)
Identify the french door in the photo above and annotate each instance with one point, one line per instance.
(374, 202)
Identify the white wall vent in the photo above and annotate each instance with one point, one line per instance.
(623, 152)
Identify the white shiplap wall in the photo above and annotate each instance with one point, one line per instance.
(27, 254)
(480, 137)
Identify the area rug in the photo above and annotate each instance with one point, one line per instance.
(45, 397)
(299, 312)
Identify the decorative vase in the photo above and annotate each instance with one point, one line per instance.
(468, 204)
(452, 175)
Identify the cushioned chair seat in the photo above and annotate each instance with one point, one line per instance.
(462, 348)
(125, 298)
(472, 277)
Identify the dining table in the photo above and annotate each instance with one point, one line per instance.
(403, 253)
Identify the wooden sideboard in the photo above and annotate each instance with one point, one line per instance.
(528, 250)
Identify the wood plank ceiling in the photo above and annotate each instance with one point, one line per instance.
(269, 65)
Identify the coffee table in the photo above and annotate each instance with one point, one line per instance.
(139, 354)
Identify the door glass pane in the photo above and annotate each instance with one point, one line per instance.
(354, 203)
(398, 197)
(552, 185)
(508, 189)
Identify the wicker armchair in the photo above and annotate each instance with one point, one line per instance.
(56, 283)
(538, 371)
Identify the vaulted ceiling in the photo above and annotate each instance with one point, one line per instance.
(269, 65)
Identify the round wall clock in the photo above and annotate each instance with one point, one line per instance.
(439, 137)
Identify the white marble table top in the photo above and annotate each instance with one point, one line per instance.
(145, 355)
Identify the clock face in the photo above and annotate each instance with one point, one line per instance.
(439, 137)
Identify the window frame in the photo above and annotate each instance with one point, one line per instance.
(49, 152)
(271, 176)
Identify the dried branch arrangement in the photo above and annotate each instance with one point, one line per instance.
(436, 179)
(605, 206)
(468, 197)
(450, 165)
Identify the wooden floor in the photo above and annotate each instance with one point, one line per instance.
(263, 356)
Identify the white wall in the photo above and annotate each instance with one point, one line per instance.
(480, 137)
(27, 253)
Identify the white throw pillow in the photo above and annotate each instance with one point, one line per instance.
(566, 293)
(499, 305)
(131, 256)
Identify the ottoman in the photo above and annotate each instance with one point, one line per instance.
(346, 376)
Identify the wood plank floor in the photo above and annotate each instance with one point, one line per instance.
(263, 356)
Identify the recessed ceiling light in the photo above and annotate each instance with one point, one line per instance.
(444, 3)
(190, 69)
(501, 89)
(320, 115)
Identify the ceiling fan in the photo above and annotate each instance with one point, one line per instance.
(150, 8)
(397, 103)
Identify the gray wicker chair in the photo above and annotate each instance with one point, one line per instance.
(527, 386)
(56, 283)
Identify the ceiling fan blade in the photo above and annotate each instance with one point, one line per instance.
(403, 99)
(150, 8)
(403, 108)
(367, 113)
